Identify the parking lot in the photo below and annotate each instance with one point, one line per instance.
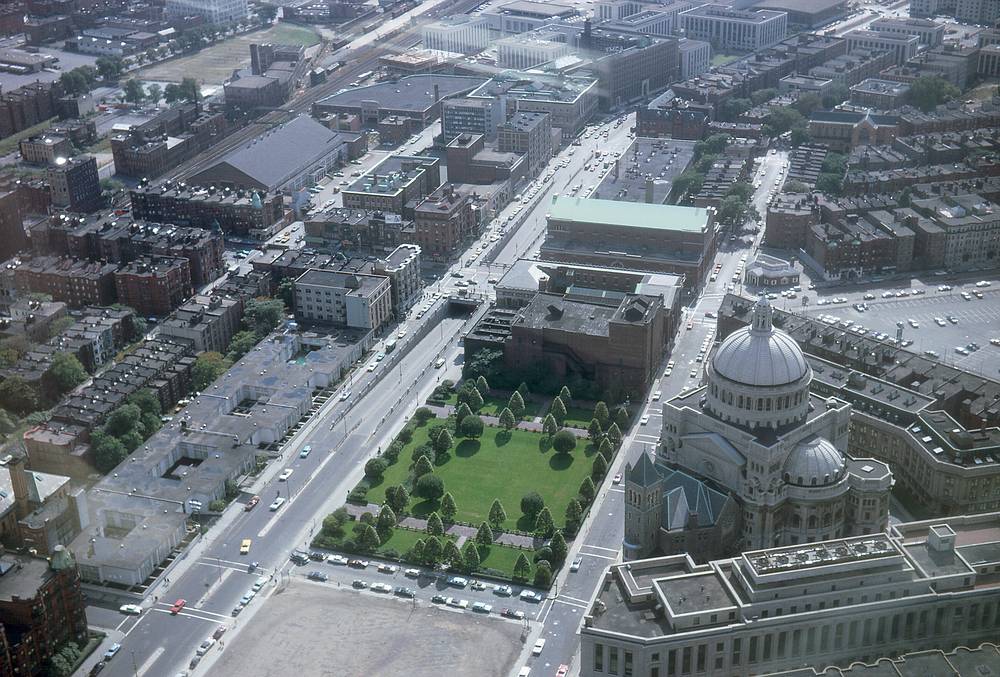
(310, 629)
(973, 321)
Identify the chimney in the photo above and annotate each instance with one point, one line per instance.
(19, 482)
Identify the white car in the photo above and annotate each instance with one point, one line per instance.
(285, 474)
(276, 503)
(656, 395)
(337, 559)
(381, 587)
(344, 395)
(644, 420)
(412, 573)
(537, 649)
(132, 609)
(205, 646)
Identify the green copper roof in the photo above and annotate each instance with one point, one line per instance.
(633, 214)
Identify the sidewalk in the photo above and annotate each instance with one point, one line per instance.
(460, 531)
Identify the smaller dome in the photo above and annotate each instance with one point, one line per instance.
(814, 462)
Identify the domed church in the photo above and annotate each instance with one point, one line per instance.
(753, 459)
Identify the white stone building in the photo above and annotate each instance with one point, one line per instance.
(214, 11)
(462, 34)
(738, 30)
(756, 431)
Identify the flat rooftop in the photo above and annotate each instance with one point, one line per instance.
(411, 94)
(647, 165)
(694, 593)
(21, 576)
(631, 214)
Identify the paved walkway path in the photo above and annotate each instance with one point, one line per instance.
(461, 531)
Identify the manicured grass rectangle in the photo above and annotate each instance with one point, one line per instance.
(494, 404)
(477, 471)
(578, 417)
(501, 557)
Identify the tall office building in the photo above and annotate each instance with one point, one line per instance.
(213, 11)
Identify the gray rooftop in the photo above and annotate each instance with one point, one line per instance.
(412, 94)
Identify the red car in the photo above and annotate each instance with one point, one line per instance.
(178, 605)
(251, 503)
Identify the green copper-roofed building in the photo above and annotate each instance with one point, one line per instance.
(632, 235)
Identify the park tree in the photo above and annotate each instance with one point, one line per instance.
(594, 431)
(549, 426)
(522, 568)
(731, 108)
(471, 557)
(430, 486)
(443, 442)
(65, 372)
(606, 449)
(558, 547)
(333, 524)
(587, 490)
(147, 401)
(435, 527)
(564, 442)
(386, 520)
(565, 395)
(416, 552)
(189, 90)
(423, 450)
(475, 399)
(262, 316)
(482, 385)
(523, 389)
(109, 67)
(484, 536)
(574, 515)
(732, 211)
(532, 504)
(432, 550)
(930, 91)
(516, 405)
(602, 414)
(543, 574)
(108, 451)
(133, 91)
(615, 435)
(241, 344)
(452, 555)
(544, 526)
(600, 467)
(497, 515)
(368, 539)
(172, 93)
(621, 417)
(422, 467)
(17, 396)
(122, 420)
(397, 497)
(208, 366)
(507, 421)
(759, 96)
(448, 508)
(423, 414)
(461, 411)
(375, 469)
(558, 410)
(472, 427)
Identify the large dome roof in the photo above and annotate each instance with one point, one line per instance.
(814, 462)
(760, 355)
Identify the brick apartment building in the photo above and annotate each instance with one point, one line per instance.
(158, 145)
(243, 213)
(75, 283)
(443, 221)
(75, 184)
(12, 236)
(528, 134)
(788, 218)
(41, 608)
(28, 105)
(154, 286)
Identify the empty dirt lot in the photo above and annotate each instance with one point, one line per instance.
(314, 630)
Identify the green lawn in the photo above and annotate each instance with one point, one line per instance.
(722, 59)
(294, 35)
(501, 557)
(494, 404)
(578, 417)
(477, 471)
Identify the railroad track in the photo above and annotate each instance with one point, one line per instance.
(364, 59)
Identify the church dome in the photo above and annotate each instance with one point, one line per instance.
(814, 462)
(760, 355)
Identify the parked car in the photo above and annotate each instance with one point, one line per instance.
(317, 576)
(285, 474)
(412, 573)
(112, 650)
(204, 647)
(337, 559)
(357, 564)
(539, 645)
(251, 503)
(360, 585)
(512, 613)
(482, 607)
(575, 566)
(405, 592)
(503, 590)
(458, 581)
